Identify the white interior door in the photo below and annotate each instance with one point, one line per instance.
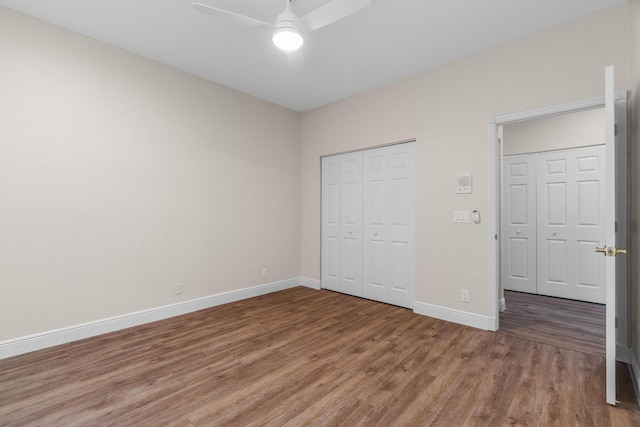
(519, 234)
(571, 223)
(622, 229)
(610, 250)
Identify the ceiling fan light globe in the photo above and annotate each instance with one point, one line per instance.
(287, 38)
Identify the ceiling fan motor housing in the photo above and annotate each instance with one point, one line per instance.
(287, 35)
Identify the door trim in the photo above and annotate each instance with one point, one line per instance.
(495, 155)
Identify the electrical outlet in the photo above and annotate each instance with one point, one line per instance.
(464, 296)
(265, 273)
(178, 289)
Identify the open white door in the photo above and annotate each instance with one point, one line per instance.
(609, 249)
(610, 230)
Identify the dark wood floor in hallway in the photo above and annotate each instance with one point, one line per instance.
(305, 357)
(566, 323)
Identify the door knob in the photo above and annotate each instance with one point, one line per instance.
(621, 251)
(611, 251)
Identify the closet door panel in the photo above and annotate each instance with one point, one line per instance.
(518, 261)
(375, 246)
(351, 224)
(556, 262)
(570, 188)
(519, 223)
(368, 224)
(401, 229)
(399, 266)
(376, 274)
(589, 272)
(331, 258)
(332, 269)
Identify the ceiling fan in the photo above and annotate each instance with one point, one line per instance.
(288, 27)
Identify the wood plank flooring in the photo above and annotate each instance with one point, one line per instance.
(566, 323)
(304, 357)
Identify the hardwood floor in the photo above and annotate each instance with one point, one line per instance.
(570, 324)
(303, 357)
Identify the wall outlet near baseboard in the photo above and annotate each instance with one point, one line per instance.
(177, 290)
(464, 295)
(265, 273)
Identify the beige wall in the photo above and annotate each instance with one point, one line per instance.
(120, 177)
(635, 179)
(446, 109)
(580, 129)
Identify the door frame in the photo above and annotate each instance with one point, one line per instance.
(494, 236)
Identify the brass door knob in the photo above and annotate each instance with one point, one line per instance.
(602, 250)
(621, 251)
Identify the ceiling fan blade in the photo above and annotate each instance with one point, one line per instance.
(236, 17)
(330, 13)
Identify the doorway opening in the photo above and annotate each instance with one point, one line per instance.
(496, 124)
(552, 280)
(551, 206)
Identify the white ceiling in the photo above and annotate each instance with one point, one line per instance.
(387, 41)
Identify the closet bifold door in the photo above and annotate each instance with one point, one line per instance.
(571, 216)
(342, 223)
(553, 221)
(374, 220)
(331, 171)
(351, 224)
(388, 225)
(519, 223)
(368, 217)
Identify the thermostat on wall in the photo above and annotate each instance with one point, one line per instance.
(463, 183)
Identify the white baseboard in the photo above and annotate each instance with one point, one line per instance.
(21, 345)
(455, 316)
(502, 305)
(311, 283)
(635, 373)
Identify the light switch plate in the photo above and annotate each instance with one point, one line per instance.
(461, 216)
